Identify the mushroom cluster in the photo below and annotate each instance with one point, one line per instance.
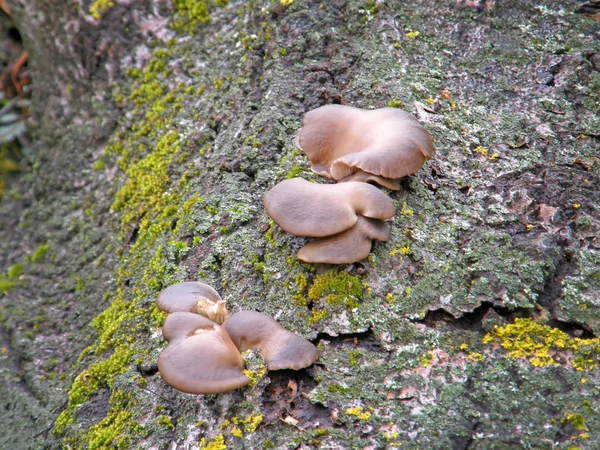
(355, 147)
(345, 217)
(203, 355)
(351, 144)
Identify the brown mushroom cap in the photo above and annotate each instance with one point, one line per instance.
(325, 135)
(193, 296)
(280, 348)
(347, 247)
(200, 357)
(341, 140)
(309, 209)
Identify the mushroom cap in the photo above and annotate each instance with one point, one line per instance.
(340, 140)
(200, 357)
(348, 246)
(280, 348)
(325, 135)
(193, 296)
(310, 209)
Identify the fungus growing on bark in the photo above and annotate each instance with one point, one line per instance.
(318, 210)
(280, 348)
(348, 246)
(200, 357)
(195, 297)
(385, 143)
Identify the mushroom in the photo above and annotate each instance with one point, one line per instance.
(196, 297)
(387, 143)
(318, 210)
(280, 348)
(348, 246)
(200, 357)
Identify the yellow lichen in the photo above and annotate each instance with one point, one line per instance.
(480, 150)
(218, 443)
(576, 420)
(390, 298)
(426, 359)
(542, 345)
(475, 357)
(100, 7)
(400, 251)
(359, 413)
(252, 422)
(406, 211)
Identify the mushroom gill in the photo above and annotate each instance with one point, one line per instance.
(348, 246)
(193, 296)
(280, 348)
(318, 210)
(200, 357)
(341, 140)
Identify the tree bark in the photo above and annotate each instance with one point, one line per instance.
(158, 127)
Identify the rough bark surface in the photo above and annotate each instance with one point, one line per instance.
(158, 127)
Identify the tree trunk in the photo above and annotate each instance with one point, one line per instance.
(158, 127)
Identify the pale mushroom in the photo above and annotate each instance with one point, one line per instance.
(341, 140)
(280, 348)
(193, 296)
(200, 357)
(348, 246)
(317, 210)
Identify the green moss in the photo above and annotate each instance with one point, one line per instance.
(299, 298)
(192, 13)
(102, 372)
(64, 419)
(14, 271)
(89, 381)
(39, 253)
(109, 432)
(318, 314)
(6, 285)
(354, 357)
(336, 288)
(294, 172)
(269, 234)
(134, 72)
(9, 154)
(165, 422)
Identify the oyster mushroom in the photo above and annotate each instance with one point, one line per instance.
(193, 296)
(318, 210)
(348, 246)
(386, 143)
(280, 348)
(200, 357)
